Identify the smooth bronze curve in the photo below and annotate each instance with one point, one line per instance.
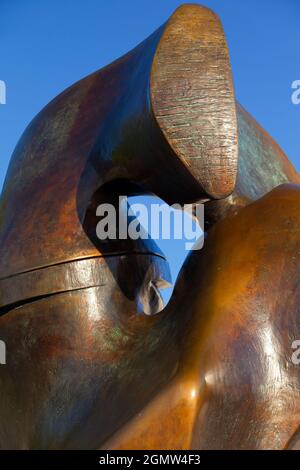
(89, 365)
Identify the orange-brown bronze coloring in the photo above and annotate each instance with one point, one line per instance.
(91, 366)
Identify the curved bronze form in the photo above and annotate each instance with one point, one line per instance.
(236, 386)
(89, 365)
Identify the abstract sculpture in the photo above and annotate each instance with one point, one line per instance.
(88, 365)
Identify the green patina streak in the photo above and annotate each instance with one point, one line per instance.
(260, 168)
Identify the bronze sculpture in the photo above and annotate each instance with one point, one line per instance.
(211, 370)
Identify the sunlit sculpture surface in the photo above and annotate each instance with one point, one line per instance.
(94, 359)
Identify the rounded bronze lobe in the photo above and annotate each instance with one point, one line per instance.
(69, 313)
(211, 371)
(146, 118)
(236, 385)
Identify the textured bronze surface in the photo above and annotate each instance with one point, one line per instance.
(82, 362)
(235, 386)
(262, 166)
(89, 364)
(192, 97)
(105, 128)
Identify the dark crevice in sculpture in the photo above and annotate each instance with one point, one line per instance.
(95, 362)
(8, 308)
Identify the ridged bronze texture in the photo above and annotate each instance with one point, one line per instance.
(89, 365)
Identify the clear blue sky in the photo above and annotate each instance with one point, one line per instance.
(47, 45)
